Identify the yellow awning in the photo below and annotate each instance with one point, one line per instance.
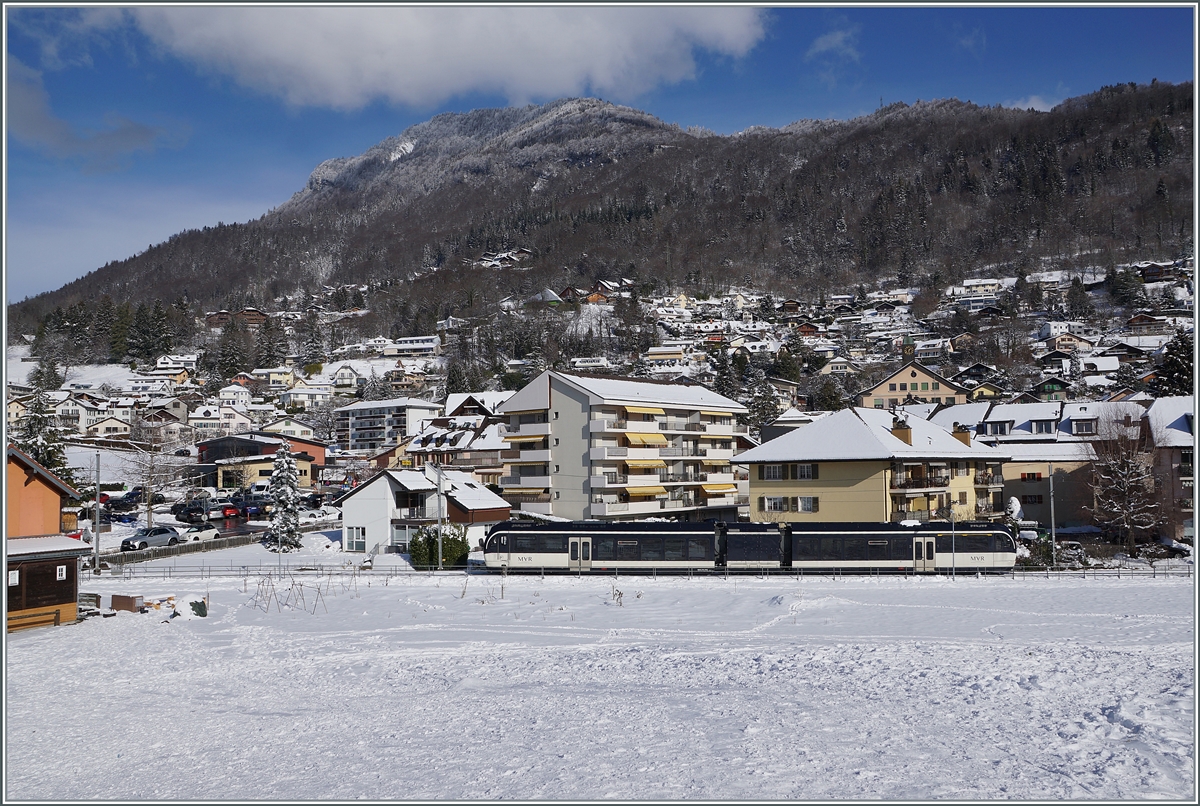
(645, 463)
(717, 413)
(646, 490)
(636, 438)
(722, 437)
(515, 463)
(712, 489)
(523, 437)
(524, 490)
(714, 462)
(643, 410)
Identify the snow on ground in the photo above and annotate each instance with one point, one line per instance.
(454, 686)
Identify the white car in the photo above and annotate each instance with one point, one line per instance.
(201, 531)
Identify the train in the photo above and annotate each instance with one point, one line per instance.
(875, 548)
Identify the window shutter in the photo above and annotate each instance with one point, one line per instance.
(814, 470)
(762, 501)
(760, 476)
(816, 504)
(793, 472)
(795, 504)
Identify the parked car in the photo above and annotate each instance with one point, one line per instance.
(201, 531)
(149, 536)
(254, 506)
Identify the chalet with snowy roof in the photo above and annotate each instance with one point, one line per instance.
(864, 464)
(42, 563)
(1168, 431)
(385, 512)
(305, 395)
(916, 382)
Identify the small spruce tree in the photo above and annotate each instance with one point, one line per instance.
(285, 502)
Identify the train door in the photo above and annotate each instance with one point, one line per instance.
(579, 553)
(923, 557)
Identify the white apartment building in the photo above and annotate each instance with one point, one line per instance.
(602, 448)
(371, 424)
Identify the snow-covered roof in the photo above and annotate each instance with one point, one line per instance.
(396, 402)
(49, 544)
(1171, 423)
(1050, 451)
(859, 434)
(611, 390)
(489, 400)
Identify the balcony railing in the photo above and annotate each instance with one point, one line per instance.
(415, 514)
(986, 509)
(919, 482)
(679, 425)
(988, 480)
(682, 452)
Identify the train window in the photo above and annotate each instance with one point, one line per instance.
(964, 543)
(587, 552)
(698, 549)
(574, 549)
(627, 550)
(525, 543)
(1004, 543)
(877, 550)
(929, 549)
(855, 548)
(918, 551)
(673, 548)
(652, 548)
(554, 544)
(831, 548)
(805, 548)
(602, 548)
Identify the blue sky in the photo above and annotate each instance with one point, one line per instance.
(126, 125)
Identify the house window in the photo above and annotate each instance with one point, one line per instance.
(772, 472)
(924, 387)
(356, 538)
(962, 498)
(1031, 499)
(266, 472)
(936, 400)
(891, 387)
(804, 471)
(904, 387)
(1031, 477)
(1043, 427)
(807, 503)
(878, 402)
(892, 401)
(1083, 427)
(777, 504)
(936, 386)
(998, 429)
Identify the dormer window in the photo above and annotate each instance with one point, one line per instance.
(1083, 427)
(1043, 426)
(997, 429)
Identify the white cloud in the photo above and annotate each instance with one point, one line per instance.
(31, 122)
(345, 58)
(1033, 102)
(840, 45)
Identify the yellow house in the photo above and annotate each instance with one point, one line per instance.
(868, 465)
(913, 382)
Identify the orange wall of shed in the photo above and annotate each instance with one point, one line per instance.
(33, 508)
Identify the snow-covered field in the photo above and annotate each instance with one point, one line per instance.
(402, 686)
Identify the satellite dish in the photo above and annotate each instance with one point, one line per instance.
(1013, 510)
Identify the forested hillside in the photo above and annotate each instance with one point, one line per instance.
(927, 194)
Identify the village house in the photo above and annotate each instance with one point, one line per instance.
(913, 382)
(42, 563)
(865, 464)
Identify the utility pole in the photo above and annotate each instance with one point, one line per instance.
(437, 468)
(96, 522)
(1053, 541)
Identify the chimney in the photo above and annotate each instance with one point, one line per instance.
(962, 434)
(901, 430)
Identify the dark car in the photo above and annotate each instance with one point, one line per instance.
(149, 536)
(255, 505)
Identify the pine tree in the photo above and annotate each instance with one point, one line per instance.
(312, 344)
(45, 377)
(1079, 305)
(118, 347)
(830, 397)
(285, 502)
(724, 384)
(376, 388)
(270, 348)
(457, 380)
(39, 435)
(142, 339)
(763, 405)
(1176, 375)
(232, 353)
(103, 320)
